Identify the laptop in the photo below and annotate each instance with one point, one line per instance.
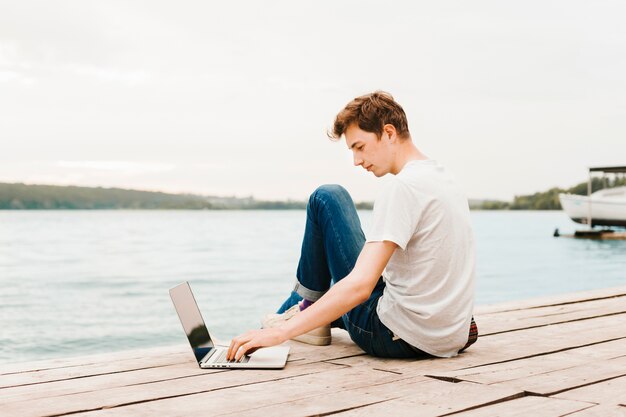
(205, 351)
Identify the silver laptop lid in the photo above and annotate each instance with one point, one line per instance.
(191, 319)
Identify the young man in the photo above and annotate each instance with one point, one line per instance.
(406, 291)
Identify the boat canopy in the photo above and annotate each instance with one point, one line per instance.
(613, 170)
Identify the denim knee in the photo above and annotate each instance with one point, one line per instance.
(329, 192)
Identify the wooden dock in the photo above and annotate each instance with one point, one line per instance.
(555, 356)
(594, 234)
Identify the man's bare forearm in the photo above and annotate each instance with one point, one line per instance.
(341, 298)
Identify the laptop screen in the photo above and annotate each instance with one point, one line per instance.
(191, 319)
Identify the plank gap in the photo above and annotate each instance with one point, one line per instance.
(330, 362)
(343, 357)
(445, 378)
(560, 313)
(535, 394)
(388, 370)
(47, 369)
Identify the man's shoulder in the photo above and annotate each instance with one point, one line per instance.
(422, 178)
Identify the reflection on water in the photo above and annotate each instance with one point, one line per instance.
(77, 282)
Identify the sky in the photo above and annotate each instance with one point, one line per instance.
(235, 98)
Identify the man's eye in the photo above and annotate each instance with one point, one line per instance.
(361, 147)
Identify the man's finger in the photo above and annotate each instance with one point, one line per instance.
(232, 349)
(242, 350)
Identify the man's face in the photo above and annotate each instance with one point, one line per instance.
(368, 151)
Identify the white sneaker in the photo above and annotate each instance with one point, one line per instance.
(319, 337)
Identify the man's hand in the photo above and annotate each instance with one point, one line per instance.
(254, 339)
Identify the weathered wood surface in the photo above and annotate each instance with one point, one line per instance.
(553, 356)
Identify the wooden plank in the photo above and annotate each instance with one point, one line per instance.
(319, 394)
(570, 378)
(119, 396)
(341, 378)
(77, 361)
(100, 368)
(612, 392)
(516, 345)
(180, 348)
(342, 346)
(537, 365)
(427, 398)
(551, 300)
(253, 398)
(601, 410)
(528, 406)
(46, 364)
(542, 340)
(100, 382)
(119, 374)
(434, 398)
(528, 318)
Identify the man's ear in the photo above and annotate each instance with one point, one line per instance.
(391, 132)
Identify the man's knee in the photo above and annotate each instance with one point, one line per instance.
(328, 192)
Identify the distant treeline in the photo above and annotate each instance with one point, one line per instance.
(549, 200)
(52, 197)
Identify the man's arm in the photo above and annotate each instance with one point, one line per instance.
(346, 294)
(342, 297)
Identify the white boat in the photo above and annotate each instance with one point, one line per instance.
(605, 207)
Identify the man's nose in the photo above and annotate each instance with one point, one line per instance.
(357, 161)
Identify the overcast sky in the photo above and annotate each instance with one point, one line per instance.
(234, 97)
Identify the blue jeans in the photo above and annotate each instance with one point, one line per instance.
(332, 242)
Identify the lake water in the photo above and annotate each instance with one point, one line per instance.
(81, 282)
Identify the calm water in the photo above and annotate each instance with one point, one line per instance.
(79, 282)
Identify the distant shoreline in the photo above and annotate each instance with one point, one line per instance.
(19, 196)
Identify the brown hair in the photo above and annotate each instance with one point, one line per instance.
(371, 112)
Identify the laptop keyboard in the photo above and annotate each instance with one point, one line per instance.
(221, 357)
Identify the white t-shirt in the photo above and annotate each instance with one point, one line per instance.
(429, 294)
